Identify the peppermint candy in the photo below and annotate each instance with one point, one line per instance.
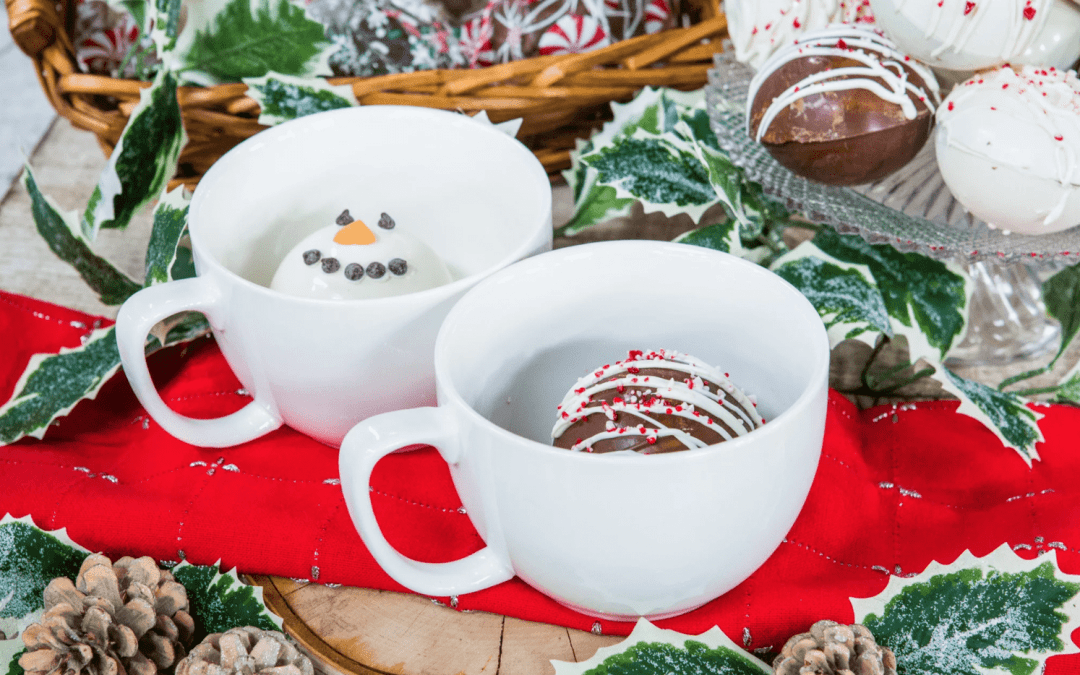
(657, 16)
(573, 34)
(104, 49)
(476, 41)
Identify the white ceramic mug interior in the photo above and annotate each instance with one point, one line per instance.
(610, 535)
(479, 198)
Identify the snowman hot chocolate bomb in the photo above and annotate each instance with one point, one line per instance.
(1008, 147)
(842, 106)
(350, 261)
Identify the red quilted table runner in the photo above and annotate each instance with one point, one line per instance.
(897, 488)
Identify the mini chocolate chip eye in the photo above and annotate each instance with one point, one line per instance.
(344, 218)
(354, 271)
(376, 270)
(311, 257)
(398, 266)
(330, 265)
(386, 222)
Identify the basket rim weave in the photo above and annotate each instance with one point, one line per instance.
(561, 98)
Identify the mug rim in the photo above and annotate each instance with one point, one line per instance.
(818, 380)
(438, 293)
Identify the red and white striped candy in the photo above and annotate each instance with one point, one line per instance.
(573, 34)
(102, 51)
(476, 41)
(657, 13)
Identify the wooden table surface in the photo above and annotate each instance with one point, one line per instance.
(347, 630)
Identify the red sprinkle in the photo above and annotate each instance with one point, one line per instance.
(969, 7)
(650, 440)
(796, 23)
(1059, 138)
(1029, 12)
(951, 106)
(840, 44)
(617, 399)
(633, 371)
(565, 415)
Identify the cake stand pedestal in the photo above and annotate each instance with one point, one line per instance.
(913, 210)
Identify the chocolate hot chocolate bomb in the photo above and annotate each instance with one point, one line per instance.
(651, 403)
(842, 106)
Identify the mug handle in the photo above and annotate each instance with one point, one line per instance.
(140, 313)
(362, 448)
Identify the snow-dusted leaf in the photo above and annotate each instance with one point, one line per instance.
(170, 226)
(221, 601)
(144, 159)
(663, 172)
(720, 237)
(1069, 389)
(649, 650)
(61, 232)
(53, 384)
(165, 25)
(283, 97)
(977, 616)
(1003, 413)
(228, 40)
(916, 289)
(843, 294)
(1061, 294)
(10, 652)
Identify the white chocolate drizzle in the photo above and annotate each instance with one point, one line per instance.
(964, 17)
(758, 27)
(1046, 99)
(883, 70)
(689, 398)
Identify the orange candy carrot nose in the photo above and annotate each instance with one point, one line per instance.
(356, 233)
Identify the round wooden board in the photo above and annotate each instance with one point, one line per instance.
(369, 632)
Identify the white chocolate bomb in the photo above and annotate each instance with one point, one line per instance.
(963, 34)
(1058, 44)
(760, 27)
(350, 261)
(1008, 146)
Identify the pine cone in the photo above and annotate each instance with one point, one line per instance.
(245, 651)
(831, 648)
(127, 618)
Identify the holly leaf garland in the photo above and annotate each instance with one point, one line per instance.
(975, 616)
(143, 161)
(282, 97)
(61, 231)
(228, 40)
(649, 650)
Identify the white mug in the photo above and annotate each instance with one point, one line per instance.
(479, 198)
(609, 535)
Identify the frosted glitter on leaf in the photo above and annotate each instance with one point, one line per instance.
(221, 601)
(1003, 413)
(649, 650)
(976, 616)
(170, 226)
(283, 97)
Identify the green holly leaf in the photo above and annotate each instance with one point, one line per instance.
(61, 232)
(719, 237)
(1003, 413)
(170, 226)
(10, 651)
(228, 40)
(1061, 294)
(1069, 389)
(843, 294)
(29, 559)
(997, 614)
(649, 650)
(166, 24)
(664, 173)
(144, 160)
(917, 290)
(283, 98)
(52, 384)
(221, 601)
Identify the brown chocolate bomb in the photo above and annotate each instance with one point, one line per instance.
(651, 403)
(842, 106)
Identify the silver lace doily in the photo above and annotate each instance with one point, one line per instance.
(911, 209)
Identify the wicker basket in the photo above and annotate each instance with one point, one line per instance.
(560, 98)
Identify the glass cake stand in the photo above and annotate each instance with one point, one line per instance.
(913, 210)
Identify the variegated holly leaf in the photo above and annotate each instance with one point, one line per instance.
(144, 160)
(917, 290)
(719, 237)
(228, 40)
(976, 616)
(164, 25)
(1003, 413)
(53, 384)
(62, 233)
(649, 650)
(844, 294)
(1069, 389)
(283, 97)
(221, 601)
(163, 261)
